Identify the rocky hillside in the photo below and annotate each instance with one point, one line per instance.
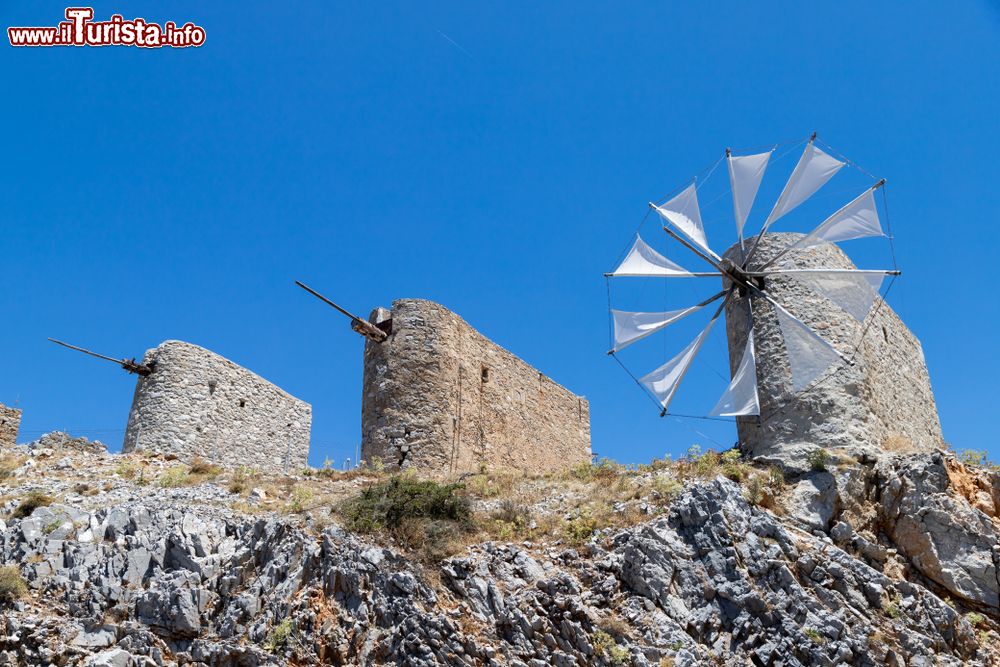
(120, 560)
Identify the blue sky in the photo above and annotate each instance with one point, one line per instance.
(493, 158)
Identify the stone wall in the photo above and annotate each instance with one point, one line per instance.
(196, 403)
(10, 423)
(441, 397)
(883, 401)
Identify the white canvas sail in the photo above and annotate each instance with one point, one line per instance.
(642, 260)
(631, 327)
(663, 382)
(745, 174)
(740, 397)
(858, 219)
(854, 291)
(683, 213)
(811, 173)
(808, 354)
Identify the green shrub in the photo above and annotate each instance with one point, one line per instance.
(754, 491)
(604, 470)
(733, 467)
(173, 477)
(32, 501)
(605, 645)
(510, 520)
(818, 459)
(815, 636)
(976, 458)
(387, 505)
(299, 497)
(128, 469)
(666, 489)
(281, 636)
(579, 528)
(12, 585)
(893, 610)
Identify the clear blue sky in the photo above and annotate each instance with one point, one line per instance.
(495, 159)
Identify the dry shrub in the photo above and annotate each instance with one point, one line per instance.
(84, 489)
(32, 501)
(493, 485)
(898, 443)
(241, 480)
(202, 468)
(9, 463)
(614, 626)
(12, 584)
(509, 521)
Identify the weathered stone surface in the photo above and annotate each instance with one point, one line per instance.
(196, 403)
(883, 401)
(948, 540)
(10, 423)
(813, 501)
(441, 397)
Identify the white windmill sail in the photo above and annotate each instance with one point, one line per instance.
(808, 354)
(858, 219)
(663, 382)
(854, 291)
(683, 213)
(642, 260)
(631, 327)
(740, 397)
(745, 174)
(811, 173)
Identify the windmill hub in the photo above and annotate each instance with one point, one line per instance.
(736, 274)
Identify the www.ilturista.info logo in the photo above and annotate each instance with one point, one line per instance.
(81, 30)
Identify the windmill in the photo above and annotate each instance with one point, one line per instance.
(805, 265)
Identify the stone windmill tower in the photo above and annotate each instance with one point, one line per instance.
(817, 358)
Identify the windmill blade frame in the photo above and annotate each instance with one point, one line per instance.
(853, 290)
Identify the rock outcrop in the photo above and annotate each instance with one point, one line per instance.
(875, 570)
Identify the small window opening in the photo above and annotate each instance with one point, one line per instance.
(243, 402)
(486, 375)
(885, 334)
(212, 384)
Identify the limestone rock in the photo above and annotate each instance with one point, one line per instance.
(949, 541)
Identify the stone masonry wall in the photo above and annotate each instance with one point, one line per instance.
(441, 397)
(196, 403)
(10, 422)
(883, 401)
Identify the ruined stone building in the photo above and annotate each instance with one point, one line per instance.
(196, 403)
(10, 423)
(441, 397)
(882, 401)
